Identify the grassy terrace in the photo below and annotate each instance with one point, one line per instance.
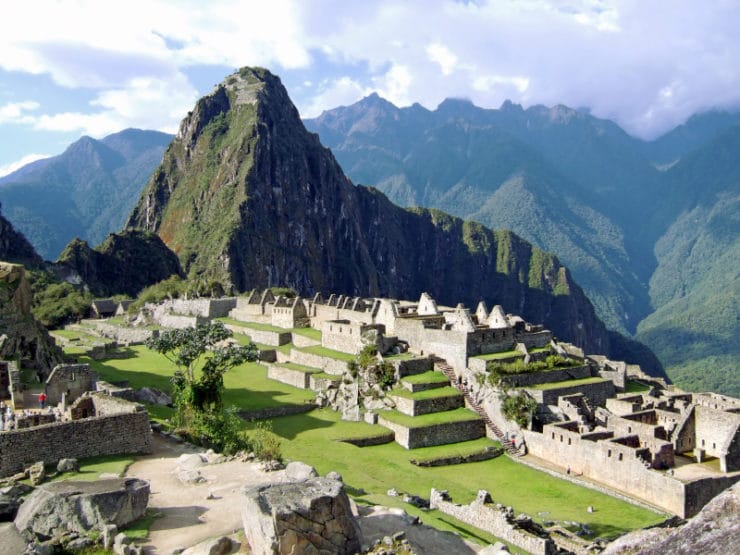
(299, 367)
(457, 415)
(369, 472)
(567, 383)
(500, 356)
(462, 449)
(308, 332)
(633, 386)
(252, 325)
(329, 353)
(247, 385)
(432, 376)
(82, 337)
(427, 394)
(325, 376)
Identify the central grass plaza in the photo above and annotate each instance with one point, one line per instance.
(369, 472)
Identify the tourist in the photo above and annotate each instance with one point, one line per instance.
(42, 400)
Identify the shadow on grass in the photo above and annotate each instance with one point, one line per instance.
(289, 427)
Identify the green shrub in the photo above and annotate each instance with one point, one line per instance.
(518, 408)
(56, 304)
(265, 443)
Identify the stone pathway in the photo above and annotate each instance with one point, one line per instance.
(188, 516)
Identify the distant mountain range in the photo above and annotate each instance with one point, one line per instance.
(86, 192)
(650, 229)
(245, 195)
(637, 222)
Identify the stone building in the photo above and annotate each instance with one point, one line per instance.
(69, 382)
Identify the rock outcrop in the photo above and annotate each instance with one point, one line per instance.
(21, 336)
(313, 516)
(125, 262)
(74, 506)
(247, 196)
(14, 247)
(716, 529)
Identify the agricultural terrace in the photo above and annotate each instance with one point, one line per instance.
(369, 472)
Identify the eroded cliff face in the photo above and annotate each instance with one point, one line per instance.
(125, 263)
(247, 196)
(21, 336)
(14, 247)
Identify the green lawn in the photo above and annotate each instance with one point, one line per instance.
(300, 367)
(247, 385)
(457, 415)
(634, 386)
(566, 383)
(432, 376)
(501, 355)
(253, 325)
(329, 353)
(311, 333)
(92, 468)
(370, 471)
(448, 391)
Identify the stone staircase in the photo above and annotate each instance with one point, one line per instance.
(441, 365)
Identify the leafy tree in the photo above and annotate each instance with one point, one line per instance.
(57, 303)
(201, 359)
(518, 408)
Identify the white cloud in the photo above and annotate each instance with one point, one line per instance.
(486, 83)
(15, 112)
(441, 55)
(18, 164)
(395, 84)
(333, 93)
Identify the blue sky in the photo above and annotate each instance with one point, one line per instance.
(73, 68)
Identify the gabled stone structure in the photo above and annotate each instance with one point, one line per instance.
(69, 382)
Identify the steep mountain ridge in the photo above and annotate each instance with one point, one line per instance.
(87, 191)
(247, 196)
(500, 168)
(14, 247)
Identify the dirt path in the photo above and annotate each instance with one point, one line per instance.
(188, 516)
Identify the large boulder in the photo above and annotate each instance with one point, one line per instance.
(82, 506)
(309, 517)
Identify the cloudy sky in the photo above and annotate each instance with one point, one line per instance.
(70, 68)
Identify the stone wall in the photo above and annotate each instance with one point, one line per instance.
(551, 376)
(296, 378)
(715, 429)
(317, 383)
(597, 393)
(411, 366)
(70, 380)
(438, 434)
(342, 335)
(265, 337)
(327, 364)
(122, 335)
(100, 435)
(427, 406)
(206, 308)
(494, 520)
(447, 344)
(303, 341)
(614, 464)
(177, 321)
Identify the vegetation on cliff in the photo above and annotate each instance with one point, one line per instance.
(246, 196)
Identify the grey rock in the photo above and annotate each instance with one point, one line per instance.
(187, 476)
(79, 543)
(214, 546)
(297, 471)
(313, 516)
(715, 529)
(82, 506)
(68, 465)
(16, 490)
(190, 461)
(109, 532)
(153, 396)
(334, 476)
(497, 548)
(37, 473)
